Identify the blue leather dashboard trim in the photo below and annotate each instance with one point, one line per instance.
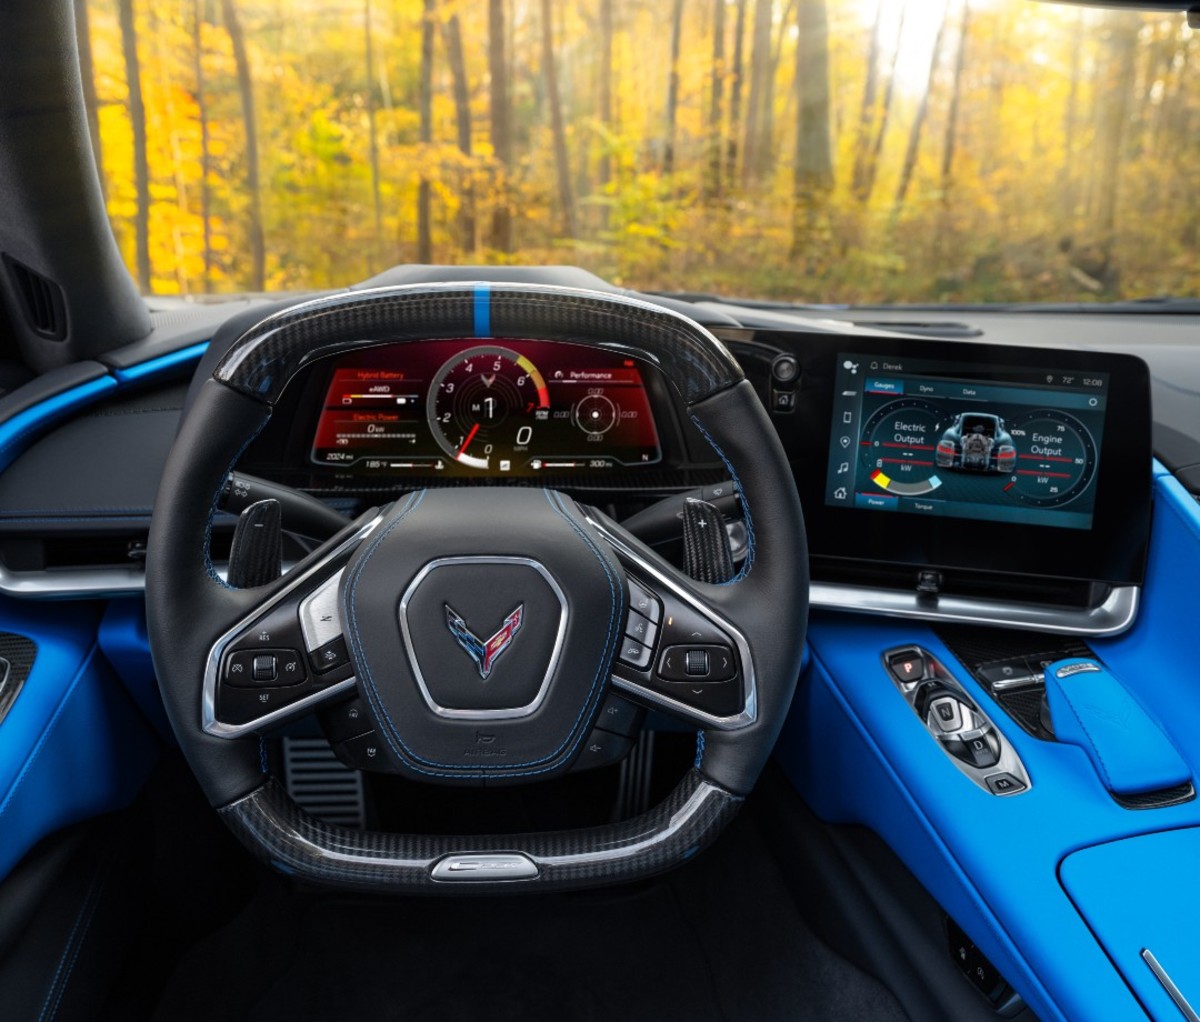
(164, 363)
(17, 433)
(1129, 749)
(1130, 907)
(73, 745)
(858, 755)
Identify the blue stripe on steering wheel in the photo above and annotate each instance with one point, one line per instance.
(483, 310)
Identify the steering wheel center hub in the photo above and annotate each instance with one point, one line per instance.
(483, 651)
(484, 635)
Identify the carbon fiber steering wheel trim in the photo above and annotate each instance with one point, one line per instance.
(263, 359)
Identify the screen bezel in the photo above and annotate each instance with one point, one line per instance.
(1112, 551)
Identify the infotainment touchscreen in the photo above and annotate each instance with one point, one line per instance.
(922, 437)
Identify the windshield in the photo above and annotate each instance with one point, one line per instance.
(819, 151)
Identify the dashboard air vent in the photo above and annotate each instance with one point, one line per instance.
(41, 300)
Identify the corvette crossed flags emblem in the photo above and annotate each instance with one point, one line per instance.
(485, 653)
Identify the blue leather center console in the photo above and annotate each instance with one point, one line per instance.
(859, 755)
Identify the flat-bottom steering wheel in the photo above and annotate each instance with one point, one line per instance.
(395, 609)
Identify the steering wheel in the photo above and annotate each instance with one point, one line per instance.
(396, 606)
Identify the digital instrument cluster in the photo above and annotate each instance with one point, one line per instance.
(502, 407)
(922, 437)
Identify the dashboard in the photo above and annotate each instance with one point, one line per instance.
(510, 408)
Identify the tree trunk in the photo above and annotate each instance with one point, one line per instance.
(1114, 99)
(756, 158)
(565, 200)
(501, 123)
(871, 171)
(735, 90)
(673, 87)
(237, 40)
(1070, 121)
(914, 135)
(869, 108)
(813, 163)
(452, 33)
(425, 112)
(373, 139)
(87, 72)
(205, 154)
(955, 102)
(606, 92)
(716, 137)
(137, 118)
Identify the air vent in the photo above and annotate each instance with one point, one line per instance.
(41, 300)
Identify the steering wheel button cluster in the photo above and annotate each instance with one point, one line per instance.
(709, 663)
(330, 656)
(635, 654)
(256, 667)
(641, 628)
(644, 602)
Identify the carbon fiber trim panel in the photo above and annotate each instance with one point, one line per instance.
(263, 359)
(19, 653)
(285, 837)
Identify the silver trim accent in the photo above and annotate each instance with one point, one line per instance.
(208, 691)
(1072, 669)
(1112, 617)
(83, 583)
(1169, 986)
(735, 723)
(322, 603)
(508, 713)
(1008, 763)
(480, 867)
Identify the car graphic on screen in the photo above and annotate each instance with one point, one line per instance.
(977, 442)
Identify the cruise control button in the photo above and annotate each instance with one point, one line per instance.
(682, 663)
(330, 656)
(635, 654)
(641, 628)
(243, 705)
(644, 602)
(250, 668)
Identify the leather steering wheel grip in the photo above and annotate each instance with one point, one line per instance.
(189, 607)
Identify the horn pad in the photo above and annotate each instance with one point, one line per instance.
(483, 652)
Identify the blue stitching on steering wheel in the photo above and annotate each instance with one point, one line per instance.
(392, 736)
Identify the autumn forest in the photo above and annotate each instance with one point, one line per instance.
(856, 151)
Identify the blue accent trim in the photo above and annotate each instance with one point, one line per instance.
(162, 364)
(16, 431)
(699, 761)
(1141, 893)
(1095, 711)
(73, 745)
(483, 310)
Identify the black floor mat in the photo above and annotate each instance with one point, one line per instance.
(719, 939)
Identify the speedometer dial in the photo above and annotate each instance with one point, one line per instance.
(484, 405)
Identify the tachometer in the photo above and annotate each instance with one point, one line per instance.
(484, 405)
